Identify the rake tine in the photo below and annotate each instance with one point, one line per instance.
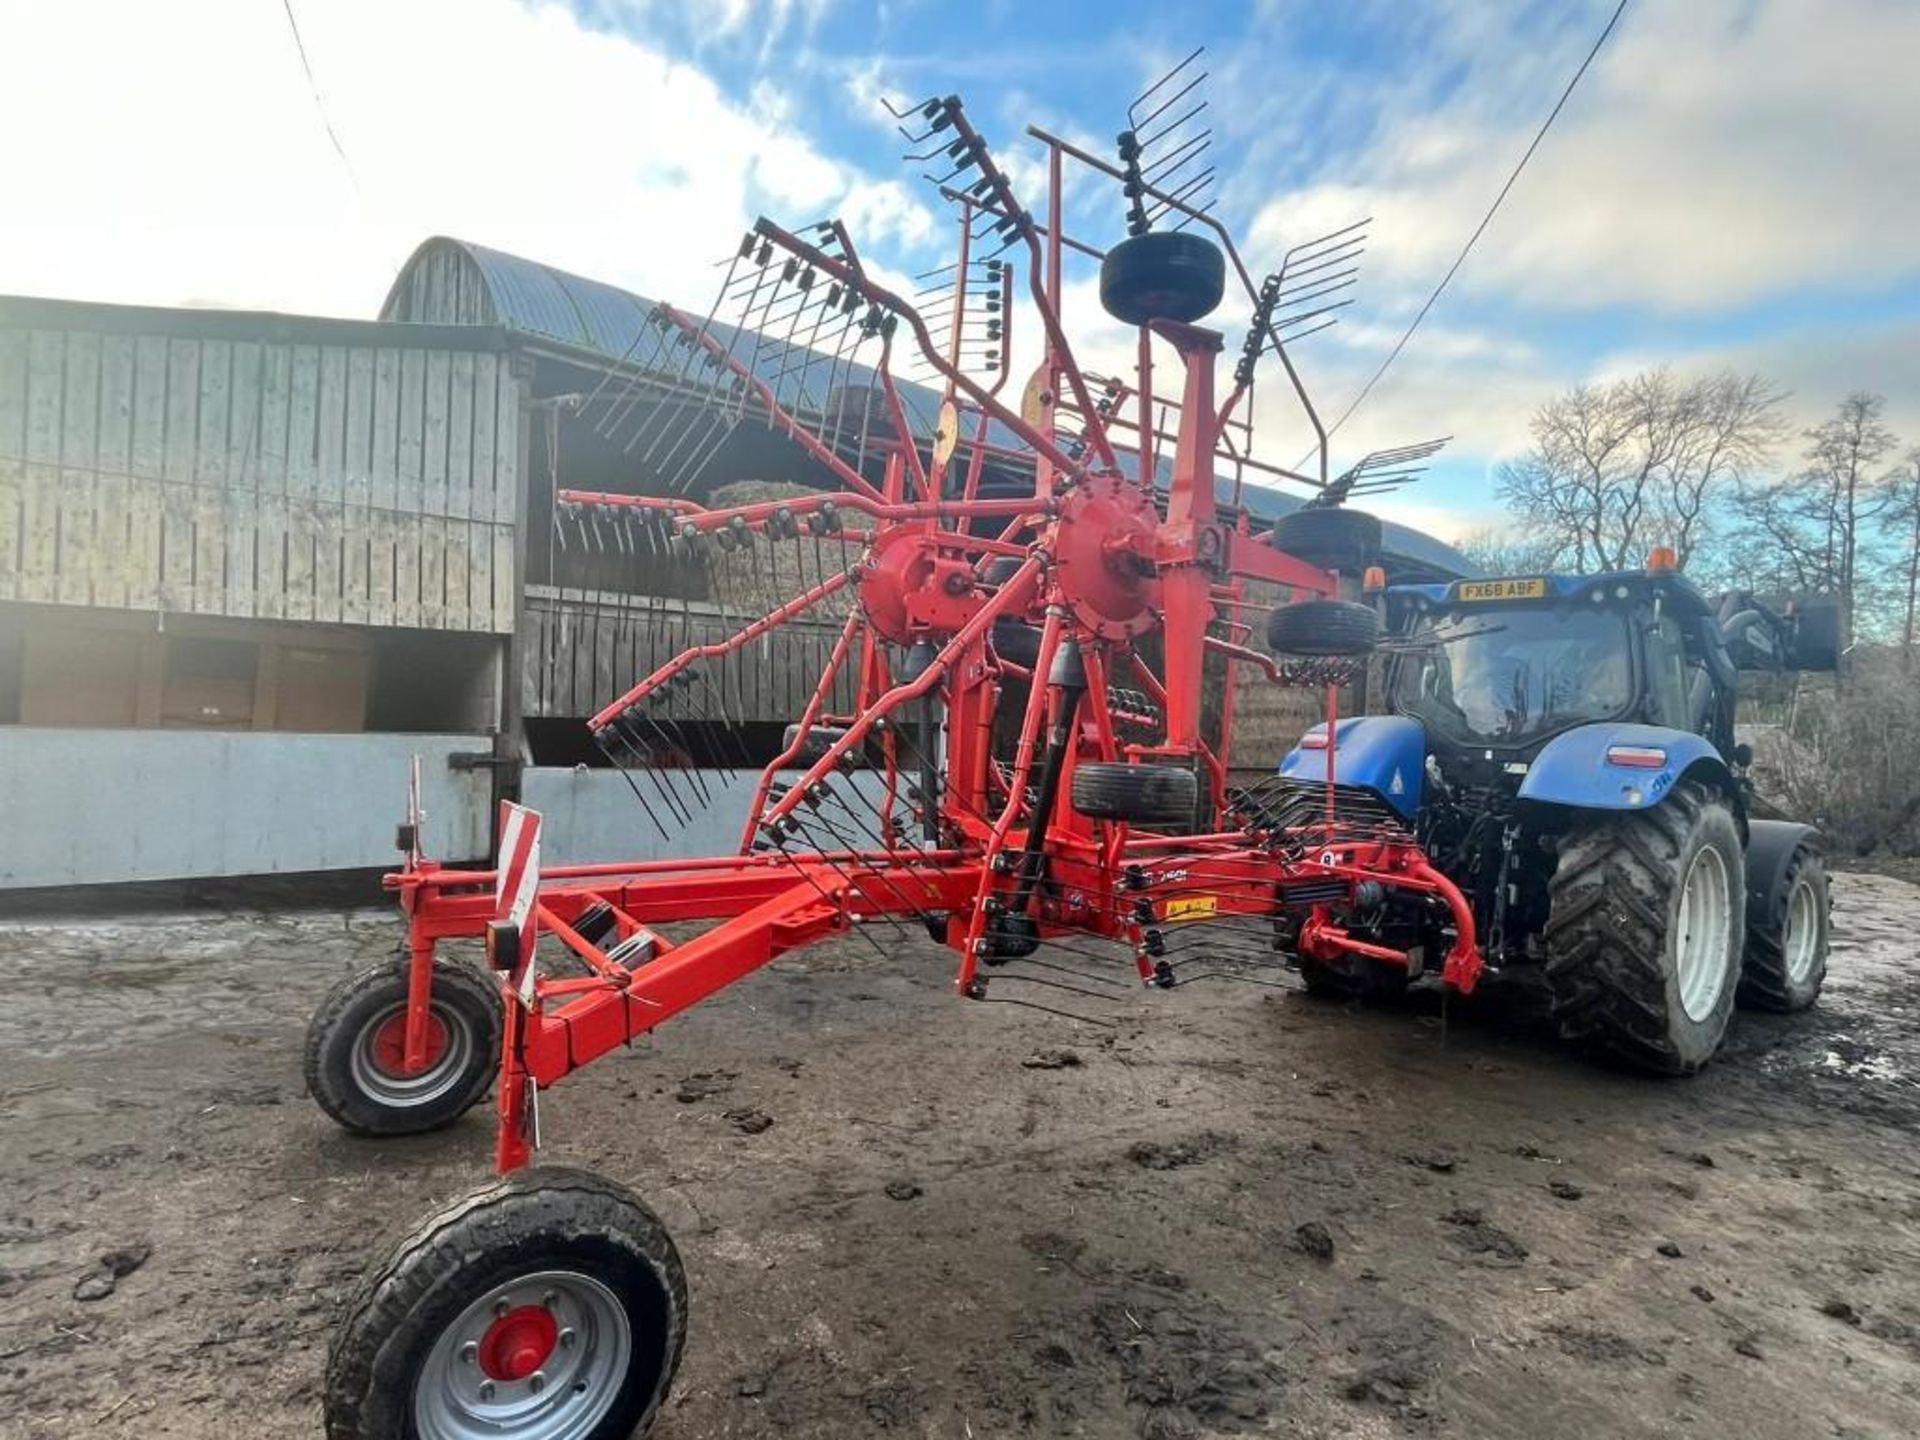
(679, 811)
(732, 264)
(635, 376)
(624, 775)
(806, 873)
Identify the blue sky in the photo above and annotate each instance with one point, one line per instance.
(1732, 185)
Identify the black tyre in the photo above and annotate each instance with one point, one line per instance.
(550, 1303)
(1138, 794)
(1017, 643)
(1367, 980)
(1164, 275)
(1330, 537)
(819, 739)
(1786, 960)
(1645, 930)
(1323, 627)
(356, 1042)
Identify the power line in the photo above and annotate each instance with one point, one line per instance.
(319, 101)
(1485, 220)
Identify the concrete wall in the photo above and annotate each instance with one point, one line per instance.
(591, 815)
(86, 807)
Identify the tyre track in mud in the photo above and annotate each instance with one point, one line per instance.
(1237, 1212)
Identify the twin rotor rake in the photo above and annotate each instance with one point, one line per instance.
(1033, 616)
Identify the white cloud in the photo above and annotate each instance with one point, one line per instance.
(1719, 152)
(189, 160)
(1818, 368)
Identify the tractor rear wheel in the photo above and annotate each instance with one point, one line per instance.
(1323, 627)
(1645, 930)
(1786, 960)
(548, 1304)
(1138, 794)
(356, 1049)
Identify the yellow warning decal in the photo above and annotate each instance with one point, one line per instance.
(1192, 907)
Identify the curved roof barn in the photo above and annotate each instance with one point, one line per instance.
(447, 281)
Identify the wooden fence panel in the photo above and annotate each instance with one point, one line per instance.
(255, 477)
(79, 450)
(14, 346)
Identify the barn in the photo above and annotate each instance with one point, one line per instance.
(257, 569)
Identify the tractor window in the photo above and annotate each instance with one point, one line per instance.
(1669, 688)
(1508, 676)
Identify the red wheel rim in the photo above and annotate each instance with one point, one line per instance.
(518, 1343)
(390, 1043)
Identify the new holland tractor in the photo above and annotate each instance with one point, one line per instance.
(1562, 748)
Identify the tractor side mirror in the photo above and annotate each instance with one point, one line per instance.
(1743, 755)
(1816, 635)
(1750, 642)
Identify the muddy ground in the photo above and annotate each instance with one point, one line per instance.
(1237, 1211)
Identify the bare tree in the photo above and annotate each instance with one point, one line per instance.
(1842, 455)
(1615, 468)
(1773, 545)
(1506, 552)
(1904, 513)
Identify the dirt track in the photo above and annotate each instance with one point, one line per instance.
(1521, 1246)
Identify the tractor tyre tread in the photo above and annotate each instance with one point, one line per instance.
(1606, 933)
(392, 1316)
(335, 1027)
(1764, 982)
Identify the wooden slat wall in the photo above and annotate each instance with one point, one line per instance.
(369, 485)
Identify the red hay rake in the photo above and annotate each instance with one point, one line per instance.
(1073, 556)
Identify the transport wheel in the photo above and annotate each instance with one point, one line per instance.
(1367, 980)
(1162, 275)
(1323, 627)
(820, 738)
(356, 1045)
(1139, 794)
(1786, 959)
(550, 1305)
(1330, 537)
(1016, 642)
(1645, 929)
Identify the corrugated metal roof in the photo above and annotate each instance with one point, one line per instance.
(532, 298)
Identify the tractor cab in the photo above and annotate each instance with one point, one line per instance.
(1494, 671)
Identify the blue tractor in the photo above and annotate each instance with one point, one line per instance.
(1563, 748)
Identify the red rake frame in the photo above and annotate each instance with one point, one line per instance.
(551, 1302)
(1093, 558)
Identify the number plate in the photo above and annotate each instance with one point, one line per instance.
(1502, 589)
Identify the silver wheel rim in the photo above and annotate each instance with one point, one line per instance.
(455, 1398)
(405, 1091)
(1705, 929)
(1800, 935)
